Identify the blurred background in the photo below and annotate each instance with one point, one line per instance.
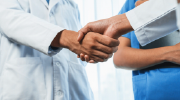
(107, 82)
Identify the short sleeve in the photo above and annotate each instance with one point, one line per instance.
(129, 4)
(128, 35)
(153, 19)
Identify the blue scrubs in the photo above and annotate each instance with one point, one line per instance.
(152, 84)
(47, 1)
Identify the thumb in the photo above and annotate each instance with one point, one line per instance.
(111, 32)
(80, 36)
(82, 32)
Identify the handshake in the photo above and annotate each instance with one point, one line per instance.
(107, 32)
(106, 42)
(97, 41)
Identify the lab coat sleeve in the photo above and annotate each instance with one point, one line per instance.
(24, 28)
(153, 19)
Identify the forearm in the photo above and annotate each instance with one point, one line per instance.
(24, 28)
(153, 20)
(135, 59)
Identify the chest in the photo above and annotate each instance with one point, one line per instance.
(59, 12)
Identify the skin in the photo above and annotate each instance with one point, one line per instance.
(113, 27)
(97, 46)
(135, 59)
(140, 2)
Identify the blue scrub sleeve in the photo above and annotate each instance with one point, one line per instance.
(129, 4)
(128, 35)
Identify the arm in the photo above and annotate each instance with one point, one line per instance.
(151, 20)
(24, 28)
(135, 59)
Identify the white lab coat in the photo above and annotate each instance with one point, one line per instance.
(27, 70)
(153, 19)
(178, 15)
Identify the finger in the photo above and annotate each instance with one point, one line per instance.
(110, 55)
(91, 61)
(115, 49)
(78, 56)
(82, 57)
(82, 32)
(105, 40)
(105, 60)
(80, 36)
(86, 58)
(97, 59)
(100, 54)
(104, 48)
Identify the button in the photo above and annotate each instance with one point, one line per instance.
(59, 92)
(57, 63)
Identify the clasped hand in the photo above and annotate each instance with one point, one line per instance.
(97, 41)
(112, 27)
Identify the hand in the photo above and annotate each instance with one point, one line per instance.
(87, 59)
(97, 46)
(140, 2)
(174, 55)
(113, 27)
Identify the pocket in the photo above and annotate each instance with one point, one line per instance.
(163, 84)
(23, 79)
(79, 87)
(139, 87)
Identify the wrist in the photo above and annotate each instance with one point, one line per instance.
(167, 56)
(118, 25)
(121, 25)
(126, 26)
(68, 39)
(63, 39)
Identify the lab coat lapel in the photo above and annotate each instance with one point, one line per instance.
(53, 3)
(45, 3)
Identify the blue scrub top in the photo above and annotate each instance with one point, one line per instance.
(130, 4)
(152, 84)
(48, 1)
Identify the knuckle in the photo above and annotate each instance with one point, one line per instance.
(90, 23)
(90, 52)
(106, 56)
(99, 60)
(88, 26)
(110, 51)
(92, 45)
(109, 42)
(94, 36)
